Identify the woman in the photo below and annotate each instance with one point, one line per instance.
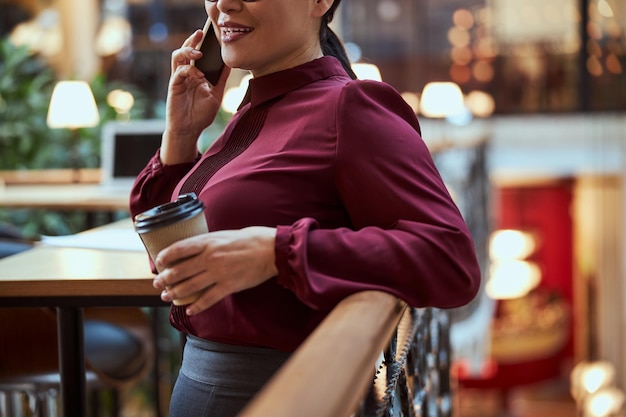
(319, 187)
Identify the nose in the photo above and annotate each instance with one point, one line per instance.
(228, 6)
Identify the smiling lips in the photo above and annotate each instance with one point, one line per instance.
(230, 33)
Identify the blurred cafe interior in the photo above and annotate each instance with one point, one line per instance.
(522, 103)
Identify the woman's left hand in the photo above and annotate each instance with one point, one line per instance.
(217, 264)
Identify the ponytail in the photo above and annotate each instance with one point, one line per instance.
(330, 42)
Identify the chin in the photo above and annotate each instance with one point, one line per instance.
(232, 62)
(235, 64)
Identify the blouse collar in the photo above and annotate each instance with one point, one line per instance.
(282, 82)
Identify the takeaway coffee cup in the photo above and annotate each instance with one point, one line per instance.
(163, 225)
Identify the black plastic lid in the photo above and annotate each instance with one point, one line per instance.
(185, 207)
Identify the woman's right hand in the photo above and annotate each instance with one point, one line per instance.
(192, 104)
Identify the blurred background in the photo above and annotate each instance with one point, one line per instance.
(522, 103)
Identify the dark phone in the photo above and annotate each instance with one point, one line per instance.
(211, 63)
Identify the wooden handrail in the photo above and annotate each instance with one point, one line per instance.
(332, 370)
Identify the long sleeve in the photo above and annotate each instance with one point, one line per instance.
(407, 236)
(155, 184)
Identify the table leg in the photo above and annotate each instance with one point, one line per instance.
(155, 319)
(72, 361)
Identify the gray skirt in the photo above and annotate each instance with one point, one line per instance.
(217, 379)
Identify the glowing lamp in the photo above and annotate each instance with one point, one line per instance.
(511, 244)
(72, 106)
(441, 100)
(512, 279)
(589, 377)
(607, 402)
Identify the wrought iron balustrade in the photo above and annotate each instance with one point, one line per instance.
(372, 357)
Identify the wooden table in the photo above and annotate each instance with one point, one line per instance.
(70, 278)
(88, 197)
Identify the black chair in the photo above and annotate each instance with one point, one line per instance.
(119, 351)
(12, 241)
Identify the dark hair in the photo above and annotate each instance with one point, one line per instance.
(331, 44)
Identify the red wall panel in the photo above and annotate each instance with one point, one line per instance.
(545, 211)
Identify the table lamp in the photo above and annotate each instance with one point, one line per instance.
(72, 107)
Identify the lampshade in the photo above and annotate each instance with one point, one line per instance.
(72, 106)
(441, 99)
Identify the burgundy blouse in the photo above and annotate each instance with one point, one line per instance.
(339, 168)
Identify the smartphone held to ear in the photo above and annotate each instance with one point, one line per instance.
(210, 63)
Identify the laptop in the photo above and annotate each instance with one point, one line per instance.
(126, 149)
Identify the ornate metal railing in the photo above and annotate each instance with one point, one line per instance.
(372, 357)
(413, 378)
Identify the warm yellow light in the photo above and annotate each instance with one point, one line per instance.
(366, 71)
(122, 101)
(115, 34)
(480, 103)
(605, 9)
(412, 100)
(486, 48)
(605, 403)
(441, 99)
(597, 377)
(510, 244)
(595, 31)
(461, 55)
(589, 377)
(483, 71)
(613, 29)
(41, 35)
(72, 106)
(512, 279)
(460, 74)
(463, 18)
(458, 37)
(613, 65)
(594, 66)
